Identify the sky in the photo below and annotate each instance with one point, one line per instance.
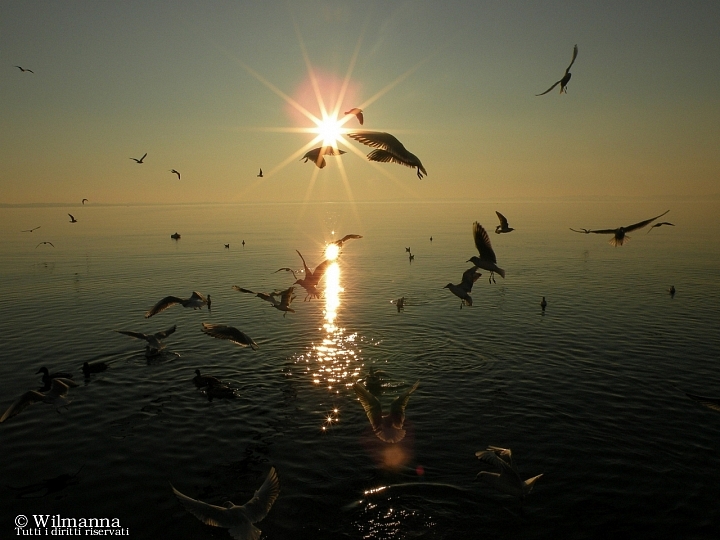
(212, 89)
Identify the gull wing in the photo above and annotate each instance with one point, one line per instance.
(710, 403)
(330, 151)
(482, 243)
(316, 156)
(240, 289)
(305, 266)
(346, 238)
(397, 407)
(642, 224)
(162, 305)
(604, 231)
(385, 156)
(144, 156)
(357, 112)
(378, 139)
(583, 231)
(286, 297)
(59, 388)
(491, 458)
(469, 277)
(258, 507)
(287, 270)
(165, 333)
(503, 219)
(198, 296)
(370, 403)
(209, 514)
(320, 270)
(137, 335)
(505, 454)
(546, 91)
(230, 333)
(20, 404)
(575, 51)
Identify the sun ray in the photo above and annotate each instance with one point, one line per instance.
(351, 68)
(311, 72)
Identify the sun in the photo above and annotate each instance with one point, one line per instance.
(329, 129)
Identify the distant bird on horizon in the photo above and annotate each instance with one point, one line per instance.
(660, 224)
(462, 290)
(41, 243)
(487, 259)
(72, 218)
(243, 244)
(25, 70)
(339, 243)
(238, 519)
(196, 301)
(139, 160)
(286, 298)
(356, 112)
(174, 172)
(227, 246)
(411, 257)
(407, 250)
(33, 229)
(260, 174)
(175, 236)
(56, 395)
(389, 149)
(388, 428)
(84, 201)
(619, 234)
(503, 227)
(566, 78)
(154, 343)
(399, 303)
(229, 333)
(671, 290)
(431, 238)
(316, 155)
(507, 480)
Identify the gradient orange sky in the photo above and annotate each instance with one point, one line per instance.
(182, 81)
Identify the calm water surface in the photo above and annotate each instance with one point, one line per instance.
(590, 394)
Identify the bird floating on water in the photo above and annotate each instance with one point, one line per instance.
(202, 381)
(487, 259)
(25, 70)
(462, 290)
(566, 78)
(238, 519)
(660, 224)
(399, 303)
(503, 227)
(72, 218)
(356, 112)
(407, 250)
(507, 479)
(41, 243)
(196, 301)
(411, 257)
(389, 149)
(543, 304)
(316, 155)
(620, 234)
(33, 229)
(387, 428)
(230, 333)
(56, 395)
(139, 160)
(260, 174)
(175, 236)
(97, 367)
(48, 377)
(671, 290)
(175, 172)
(154, 345)
(286, 298)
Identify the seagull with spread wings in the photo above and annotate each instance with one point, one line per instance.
(154, 343)
(659, 225)
(33, 229)
(139, 160)
(196, 301)
(339, 243)
(25, 70)
(316, 155)
(507, 479)
(312, 278)
(356, 112)
(389, 149)
(388, 428)
(462, 289)
(238, 519)
(620, 234)
(56, 395)
(286, 298)
(230, 333)
(503, 227)
(41, 243)
(487, 259)
(566, 78)
(174, 172)
(72, 218)
(585, 231)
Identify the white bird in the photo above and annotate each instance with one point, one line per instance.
(387, 428)
(507, 480)
(154, 345)
(196, 301)
(462, 290)
(316, 155)
(389, 149)
(566, 78)
(57, 395)
(139, 160)
(620, 234)
(503, 227)
(230, 333)
(356, 112)
(286, 298)
(487, 259)
(238, 519)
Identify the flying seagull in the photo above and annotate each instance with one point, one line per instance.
(507, 479)
(238, 519)
(174, 172)
(387, 428)
(260, 174)
(566, 78)
(389, 149)
(503, 227)
(339, 243)
(357, 112)
(139, 160)
(462, 289)
(72, 218)
(196, 301)
(154, 345)
(24, 70)
(56, 395)
(33, 229)
(286, 298)
(84, 201)
(586, 231)
(233, 335)
(659, 224)
(312, 278)
(316, 155)
(41, 243)
(619, 234)
(487, 259)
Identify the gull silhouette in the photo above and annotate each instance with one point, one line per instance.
(41, 243)
(260, 174)
(33, 229)
(286, 298)
(586, 231)
(503, 227)
(84, 201)
(462, 289)
(660, 224)
(389, 149)
(154, 345)
(196, 301)
(25, 70)
(312, 278)
(316, 155)
(357, 112)
(72, 218)
(339, 243)
(174, 172)
(139, 160)
(566, 78)
(230, 333)
(238, 519)
(56, 395)
(389, 427)
(487, 259)
(620, 234)
(507, 480)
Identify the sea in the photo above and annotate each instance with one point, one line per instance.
(590, 392)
